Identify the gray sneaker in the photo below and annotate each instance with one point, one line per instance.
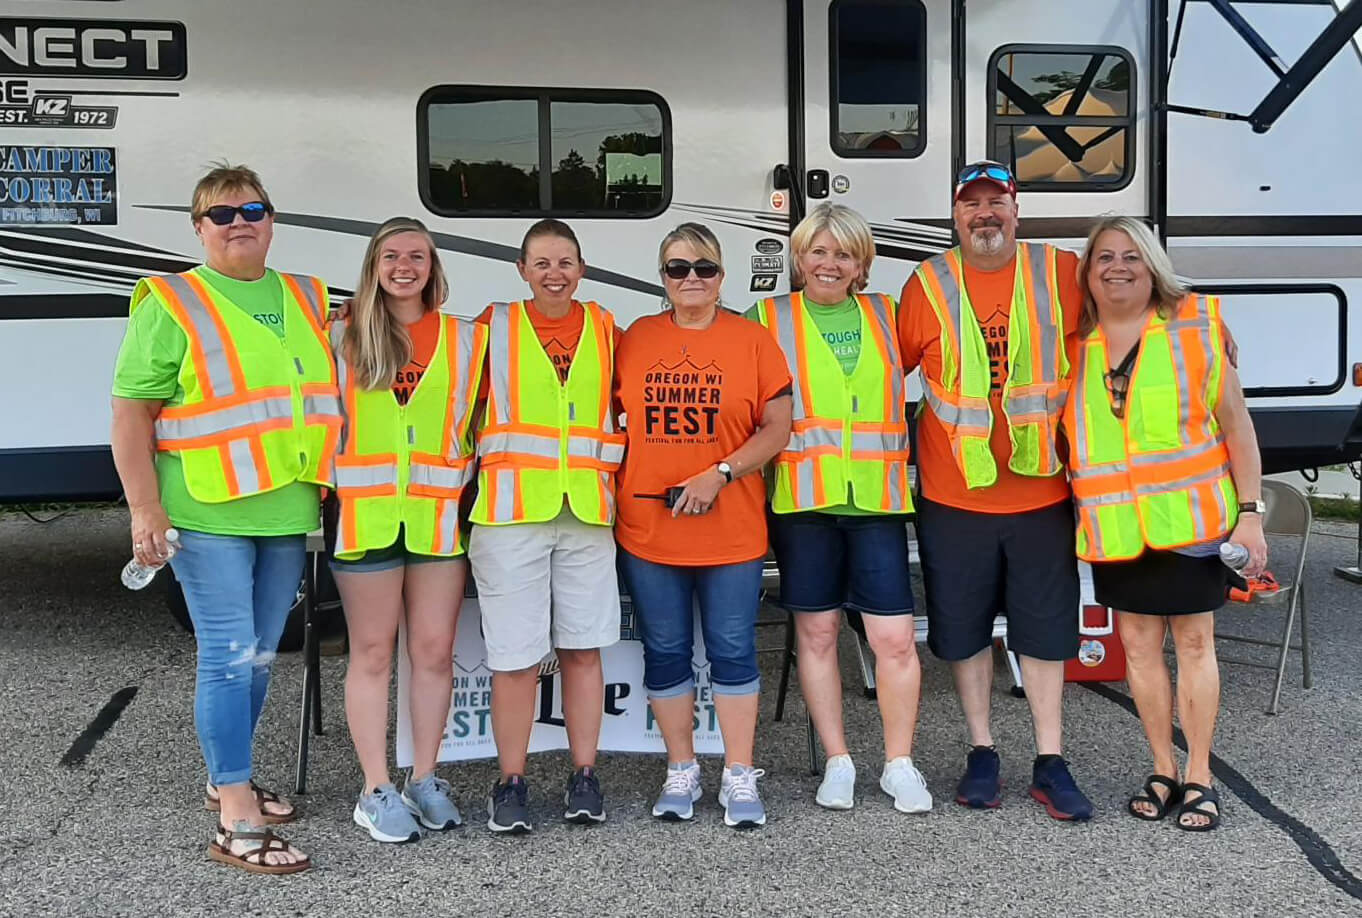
(386, 818)
(508, 806)
(679, 792)
(739, 798)
(428, 800)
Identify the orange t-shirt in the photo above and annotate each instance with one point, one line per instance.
(691, 397)
(425, 335)
(558, 337)
(990, 294)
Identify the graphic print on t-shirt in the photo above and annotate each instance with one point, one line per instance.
(407, 378)
(681, 402)
(994, 329)
(561, 355)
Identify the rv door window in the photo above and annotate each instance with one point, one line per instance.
(508, 151)
(1063, 116)
(878, 77)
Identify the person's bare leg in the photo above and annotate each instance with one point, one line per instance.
(974, 684)
(1152, 688)
(583, 703)
(1198, 694)
(738, 724)
(1044, 681)
(513, 698)
(820, 678)
(372, 601)
(434, 593)
(898, 679)
(675, 717)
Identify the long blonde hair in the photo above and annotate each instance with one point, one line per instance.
(376, 345)
(1167, 291)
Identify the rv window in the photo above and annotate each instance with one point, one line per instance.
(1063, 116)
(528, 152)
(878, 77)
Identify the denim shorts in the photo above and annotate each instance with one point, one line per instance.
(830, 561)
(665, 597)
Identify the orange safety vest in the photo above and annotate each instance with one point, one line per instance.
(1160, 476)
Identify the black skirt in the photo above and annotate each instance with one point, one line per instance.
(1162, 583)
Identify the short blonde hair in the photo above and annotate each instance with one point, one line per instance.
(850, 230)
(1167, 290)
(699, 237)
(221, 179)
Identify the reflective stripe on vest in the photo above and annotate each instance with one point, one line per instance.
(238, 437)
(543, 440)
(849, 437)
(1160, 477)
(403, 468)
(1034, 392)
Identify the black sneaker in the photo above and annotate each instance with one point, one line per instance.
(584, 801)
(508, 806)
(980, 788)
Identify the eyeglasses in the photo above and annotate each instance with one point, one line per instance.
(996, 171)
(679, 268)
(1118, 384)
(251, 212)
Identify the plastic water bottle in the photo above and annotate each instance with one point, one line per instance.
(136, 575)
(1235, 556)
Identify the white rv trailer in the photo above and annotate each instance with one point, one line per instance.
(1232, 126)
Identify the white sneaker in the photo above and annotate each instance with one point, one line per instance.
(837, 792)
(902, 781)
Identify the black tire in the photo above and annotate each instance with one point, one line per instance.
(290, 642)
(175, 604)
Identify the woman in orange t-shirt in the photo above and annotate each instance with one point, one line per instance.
(705, 396)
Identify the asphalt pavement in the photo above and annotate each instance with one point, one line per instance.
(101, 814)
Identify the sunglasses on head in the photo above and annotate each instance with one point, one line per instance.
(996, 171)
(679, 268)
(251, 212)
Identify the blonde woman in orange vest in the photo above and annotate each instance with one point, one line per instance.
(225, 420)
(408, 377)
(542, 547)
(1165, 467)
(840, 495)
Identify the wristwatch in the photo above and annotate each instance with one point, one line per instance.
(1252, 506)
(725, 470)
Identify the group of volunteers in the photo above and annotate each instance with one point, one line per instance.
(1073, 406)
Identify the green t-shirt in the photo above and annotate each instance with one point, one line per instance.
(148, 367)
(840, 326)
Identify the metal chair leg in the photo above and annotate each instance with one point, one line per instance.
(785, 666)
(309, 717)
(864, 655)
(1281, 654)
(813, 745)
(1306, 680)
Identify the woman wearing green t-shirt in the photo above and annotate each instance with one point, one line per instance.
(225, 420)
(839, 494)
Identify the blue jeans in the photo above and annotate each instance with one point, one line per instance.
(664, 604)
(239, 590)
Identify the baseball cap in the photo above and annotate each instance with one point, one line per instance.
(986, 170)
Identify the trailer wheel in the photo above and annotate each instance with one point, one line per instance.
(290, 641)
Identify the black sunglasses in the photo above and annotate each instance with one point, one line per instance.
(678, 268)
(251, 212)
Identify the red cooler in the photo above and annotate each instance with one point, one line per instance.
(1101, 658)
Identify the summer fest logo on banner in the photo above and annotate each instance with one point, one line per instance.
(628, 724)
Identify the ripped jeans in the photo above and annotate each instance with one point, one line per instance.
(239, 590)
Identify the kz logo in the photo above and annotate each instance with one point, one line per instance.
(763, 283)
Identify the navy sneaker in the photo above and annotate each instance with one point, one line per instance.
(1054, 787)
(508, 806)
(583, 801)
(979, 788)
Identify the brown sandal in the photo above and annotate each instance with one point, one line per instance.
(213, 804)
(252, 860)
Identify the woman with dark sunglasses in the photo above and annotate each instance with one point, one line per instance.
(705, 397)
(225, 420)
(1162, 454)
(840, 496)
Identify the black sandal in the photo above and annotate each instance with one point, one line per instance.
(1150, 796)
(1197, 807)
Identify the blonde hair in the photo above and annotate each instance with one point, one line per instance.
(847, 227)
(699, 237)
(223, 178)
(1167, 289)
(376, 345)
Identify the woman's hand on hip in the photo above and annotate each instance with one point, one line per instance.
(1249, 533)
(149, 525)
(698, 492)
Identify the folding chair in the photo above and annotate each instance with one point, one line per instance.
(1288, 514)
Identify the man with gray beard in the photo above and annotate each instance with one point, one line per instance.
(990, 323)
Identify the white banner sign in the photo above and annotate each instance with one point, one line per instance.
(627, 725)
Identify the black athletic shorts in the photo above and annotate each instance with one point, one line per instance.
(978, 565)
